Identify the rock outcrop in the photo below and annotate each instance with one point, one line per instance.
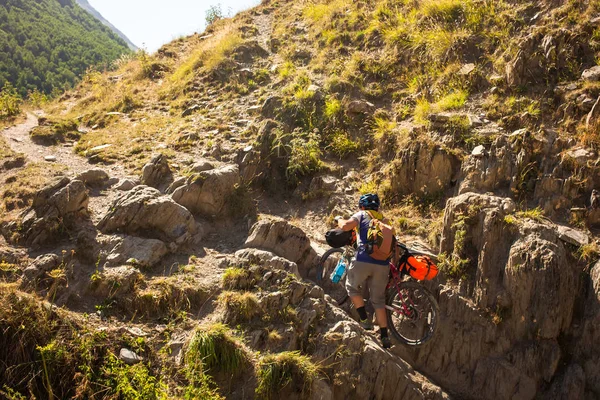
(207, 192)
(284, 240)
(423, 169)
(144, 212)
(57, 210)
(157, 172)
(500, 337)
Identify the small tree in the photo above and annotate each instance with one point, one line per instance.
(214, 13)
(10, 101)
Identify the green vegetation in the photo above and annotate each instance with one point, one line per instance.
(215, 349)
(235, 278)
(10, 102)
(54, 131)
(536, 214)
(277, 372)
(47, 45)
(239, 306)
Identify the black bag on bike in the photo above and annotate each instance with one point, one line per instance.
(338, 238)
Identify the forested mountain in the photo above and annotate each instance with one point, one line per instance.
(48, 44)
(88, 7)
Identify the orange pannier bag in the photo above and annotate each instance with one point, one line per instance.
(421, 268)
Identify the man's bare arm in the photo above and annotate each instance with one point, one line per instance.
(347, 224)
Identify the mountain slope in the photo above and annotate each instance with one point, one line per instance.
(477, 122)
(48, 44)
(88, 7)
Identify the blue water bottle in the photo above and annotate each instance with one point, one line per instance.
(339, 271)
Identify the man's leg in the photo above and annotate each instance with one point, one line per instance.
(379, 280)
(357, 275)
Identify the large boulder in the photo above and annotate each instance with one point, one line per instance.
(541, 285)
(56, 211)
(144, 212)
(207, 192)
(285, 240)
(157, 172)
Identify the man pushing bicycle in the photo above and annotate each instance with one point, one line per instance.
(376, 240)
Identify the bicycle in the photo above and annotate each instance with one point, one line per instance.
(412, 310)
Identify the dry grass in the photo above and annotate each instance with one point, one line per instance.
(18, 189)
(208, 55)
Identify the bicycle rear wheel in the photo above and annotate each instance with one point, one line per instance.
(326, 265)
(412, 313)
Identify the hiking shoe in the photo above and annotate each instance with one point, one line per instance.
(386, 342)
(366, 324)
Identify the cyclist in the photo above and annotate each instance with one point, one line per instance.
(367, 270)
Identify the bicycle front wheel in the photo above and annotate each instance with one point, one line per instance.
(326, 265)
(412, 313)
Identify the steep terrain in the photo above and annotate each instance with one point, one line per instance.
(162, 221)
(88, 7)
(48, 45)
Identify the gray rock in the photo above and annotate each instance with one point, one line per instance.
(144, 212)
(285, 240)
(360, 107)
(591, 74)
(157, 172)
(129, 357)
(190, 110)
(207, 192)
(271, 107)
(581, 155)
(93, 177)
(572, 236)
(134, 250)
(50, 158)
(202, 165)
(475, 121)
(179, 182)
(266, 258)
(125, 185)
(116, 282)
(56, 210)
(478, 151)
(326, 183)
(46, 262)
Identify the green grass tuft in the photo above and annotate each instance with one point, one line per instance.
(239, 306)
(280, 371)
(214, 349)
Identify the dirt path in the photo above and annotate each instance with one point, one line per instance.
(17, 137)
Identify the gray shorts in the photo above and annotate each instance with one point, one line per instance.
(374, 275)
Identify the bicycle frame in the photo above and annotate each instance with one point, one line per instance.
(395, 279)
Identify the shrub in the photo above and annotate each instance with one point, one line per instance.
(132, 382)
(279, 371)
(341, 144)
(305, 156)
(214, 13)
(10, 102)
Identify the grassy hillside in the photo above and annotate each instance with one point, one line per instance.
(47, 45)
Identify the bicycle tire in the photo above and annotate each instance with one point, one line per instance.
(423, 306)
(337, 291)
